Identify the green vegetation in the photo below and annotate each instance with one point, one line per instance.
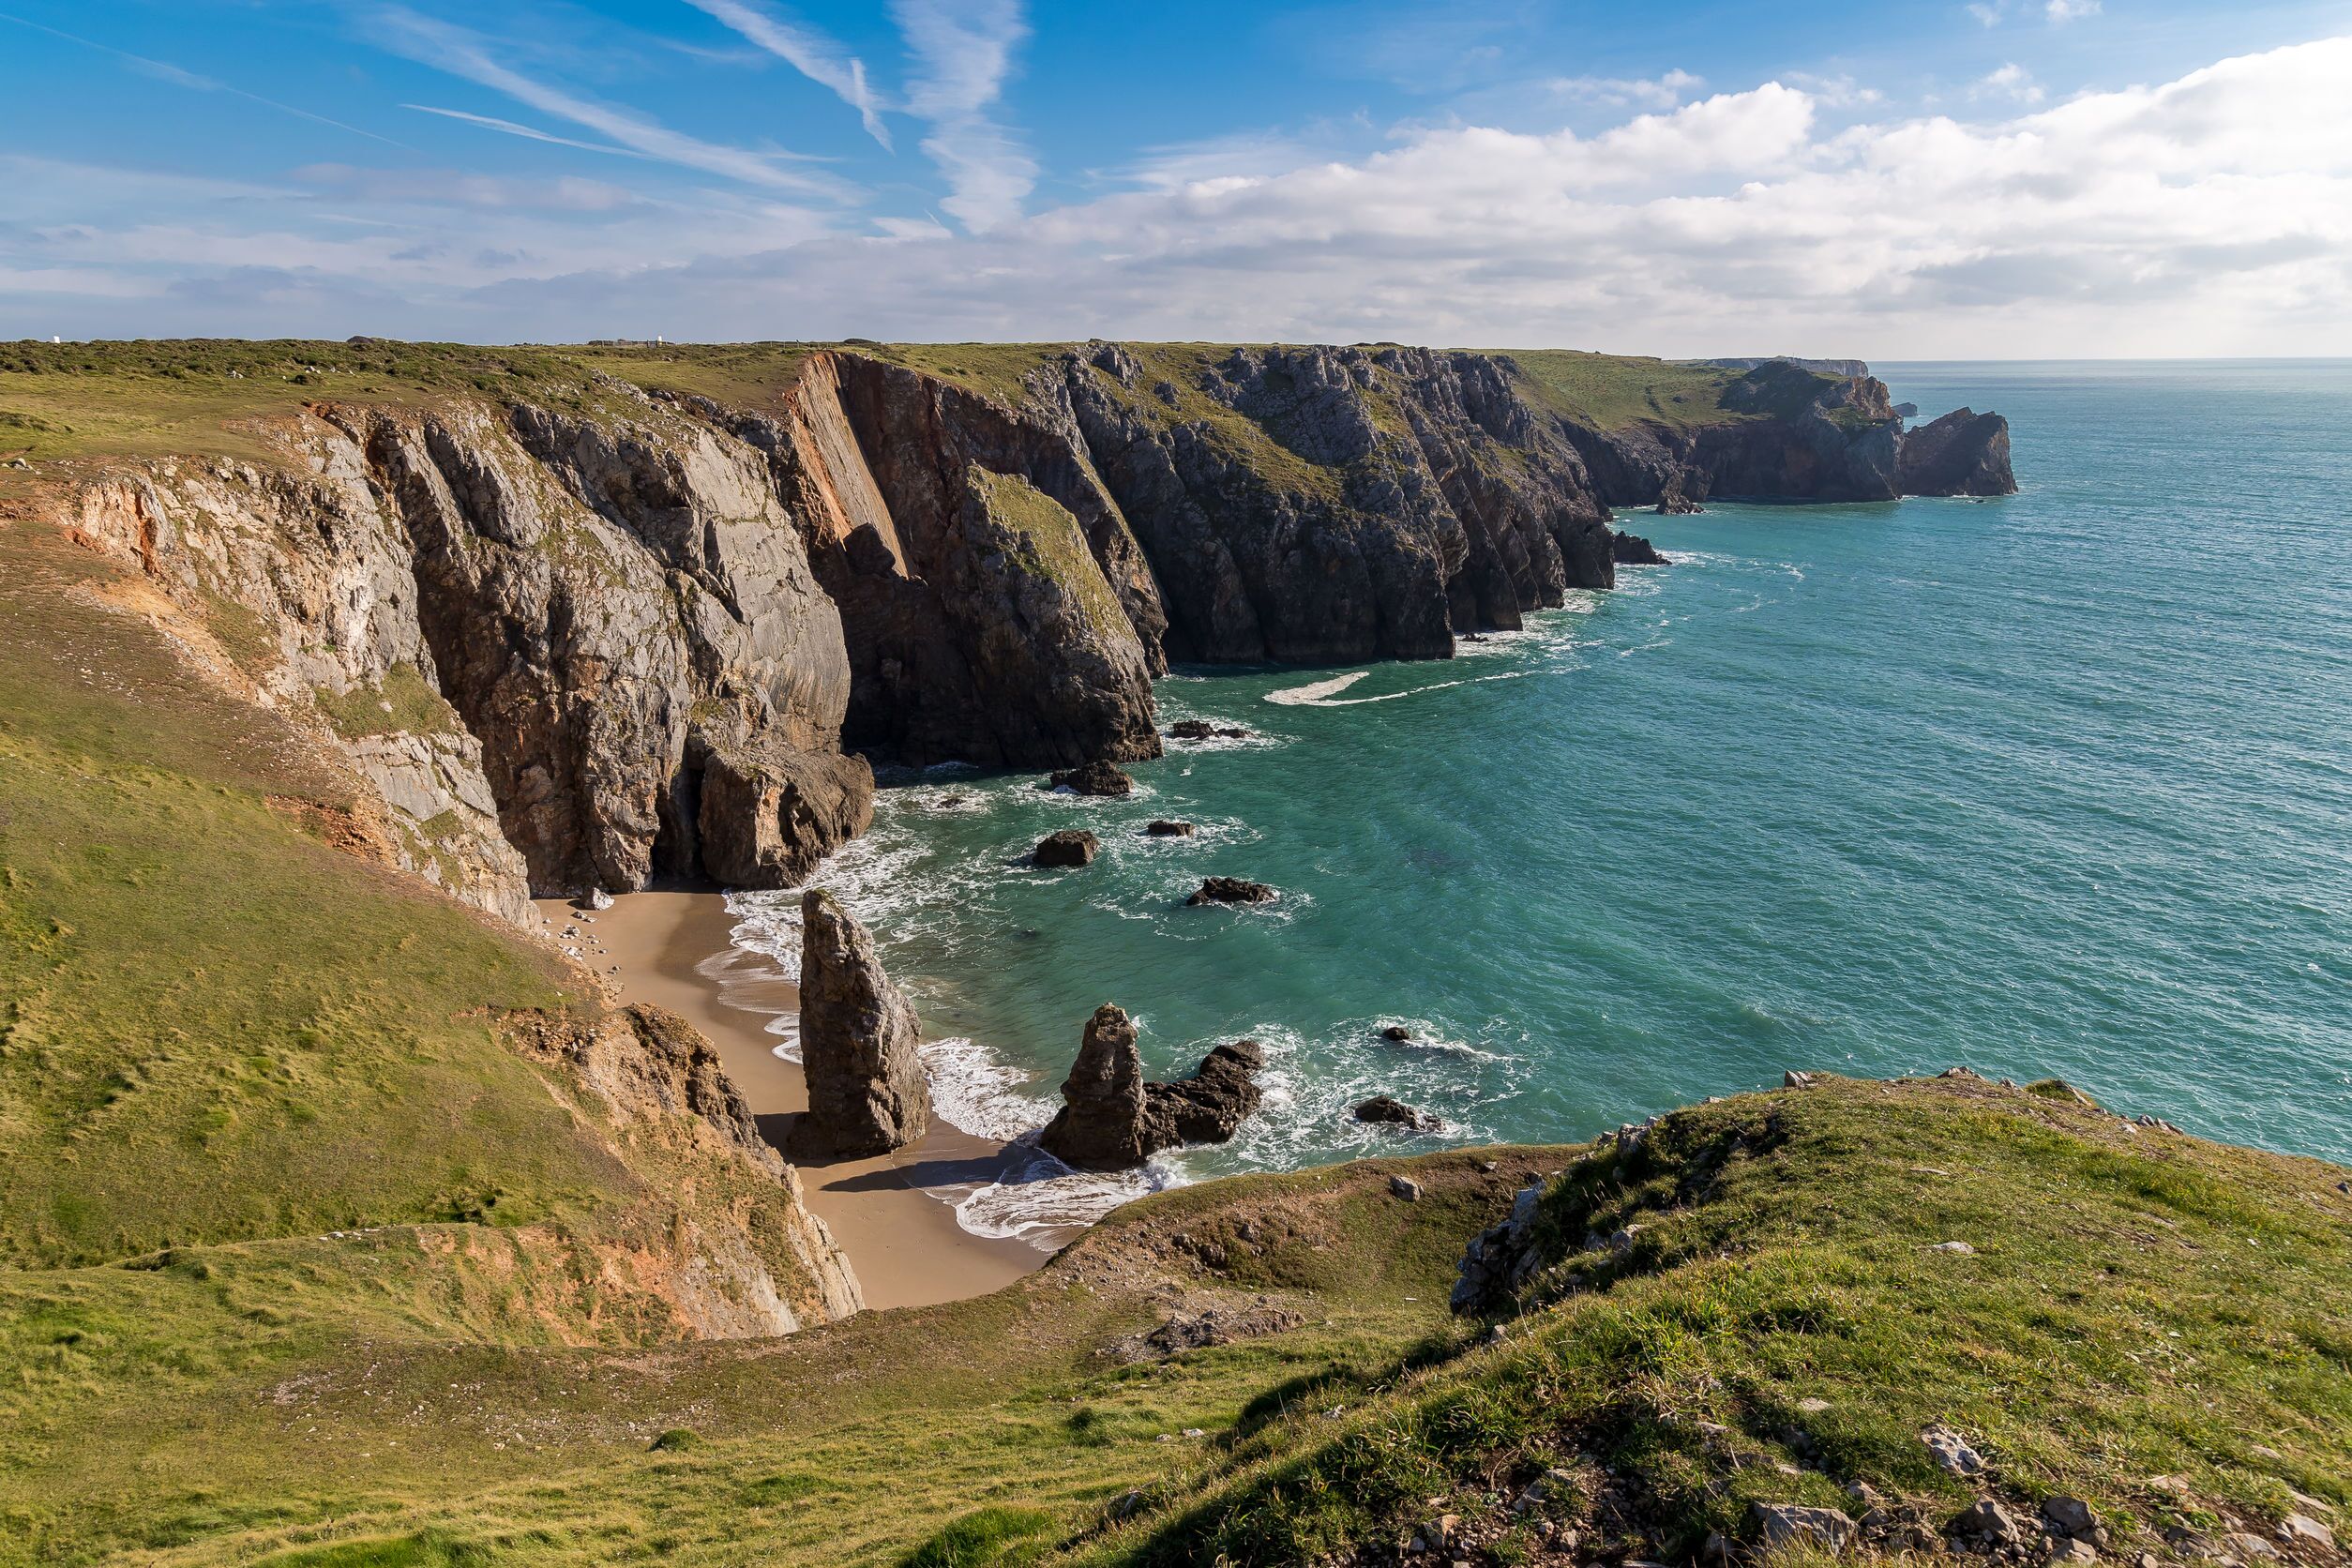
(1049, 543)
(1611, 391)
(986, 1539)
(405, 702)
(1757, 1304)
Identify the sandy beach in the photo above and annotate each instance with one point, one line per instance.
(673, 949)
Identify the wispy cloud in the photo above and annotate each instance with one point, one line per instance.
(962, 52)
(164, 70)
(2067, 10)
(1659, 91)
(812, 54)
(491, 121)
(467, 54)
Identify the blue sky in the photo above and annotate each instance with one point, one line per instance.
(2008, 177)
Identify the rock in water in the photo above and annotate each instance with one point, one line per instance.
(1201, 729)
(857, 1038)
(1111, 1120)
(1100, 1124)
(1096, 777)
(1232, 890)
(1163, 828)
(1384, 1111)
(1208, 1107)
(1072, 846)
(1632, 549)
(1398, 1033)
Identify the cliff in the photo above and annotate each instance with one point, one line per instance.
(582, 618)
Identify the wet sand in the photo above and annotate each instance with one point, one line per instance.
(674, 951)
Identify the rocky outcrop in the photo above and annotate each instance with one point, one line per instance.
(1964, 452)
(1100, 1124)
(1632, 549)
(1208, 1107)
(1070, 846)
(858, 1040)
(745, 1258)
(1112, 1119)
(1232, 890)
(1094, 778)
(1795, 434)
(1384, 1111)
(995, 607)
(770, 811)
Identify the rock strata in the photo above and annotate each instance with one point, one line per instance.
(858, 1039)
(1232, 890)
(1069, 847)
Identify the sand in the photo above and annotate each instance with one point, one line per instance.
(674, 951)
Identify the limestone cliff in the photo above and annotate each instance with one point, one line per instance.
(583, 633)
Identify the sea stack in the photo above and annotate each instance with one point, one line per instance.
(1100, 1124)
(858, 1039)
(1111, 1120)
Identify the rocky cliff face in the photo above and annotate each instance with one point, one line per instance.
(581, 640)
(1806, 437)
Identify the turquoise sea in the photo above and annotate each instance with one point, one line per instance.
(2058, 784)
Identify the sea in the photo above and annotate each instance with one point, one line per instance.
(2053, 785)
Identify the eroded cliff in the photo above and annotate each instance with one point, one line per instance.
(598, 629)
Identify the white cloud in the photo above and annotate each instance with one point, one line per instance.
(2171, 218)
(1660, 91)
(962, 54)
(2069, 10)
(2011, 81)
(529, 133)
(466, 55)
(810, 54)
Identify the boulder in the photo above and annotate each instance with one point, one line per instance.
(1071, 845)
(1405, 1187)
(1097, 778)
(770, 812)
(1398, 1033)
(1382, 1111)
(1112, 1119)
(858, 1042)
(1163, 828)
(1201, 729)
(1232, 890)
(1787, 1524)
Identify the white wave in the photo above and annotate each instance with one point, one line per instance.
(1318, 694)
(975, 1090)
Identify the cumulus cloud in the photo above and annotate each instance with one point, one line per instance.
(2168, 218)
(961, 52)
(2011, 81)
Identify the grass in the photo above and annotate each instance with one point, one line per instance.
(1049, 544)
(1611, 392)
(2136, 1307)
(404, 701)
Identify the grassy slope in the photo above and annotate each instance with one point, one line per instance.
(2159, 1325)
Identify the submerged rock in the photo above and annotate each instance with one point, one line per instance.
(1201, 729)
(1112, 1119)
(1232, 890)
(858, 1040)
(1398, 1033)
(1097, 778)
(1071, 845)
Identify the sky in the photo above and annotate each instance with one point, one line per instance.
(1888, 180)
